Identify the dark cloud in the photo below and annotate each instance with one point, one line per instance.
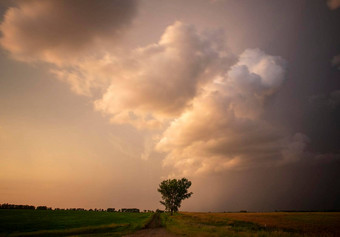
(267, 134)
(298, 186)
(322, 115)
(336, 61)
(225, 129)
(58, 30)
(333, 4)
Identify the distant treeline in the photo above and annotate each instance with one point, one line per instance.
(29, 207)
(13, 206)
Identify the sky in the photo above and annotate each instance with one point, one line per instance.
(102, 100)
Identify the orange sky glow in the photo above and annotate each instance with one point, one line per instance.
(102, 100)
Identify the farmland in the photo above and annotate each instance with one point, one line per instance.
(101, 223)
(254, 224)
(66, 222)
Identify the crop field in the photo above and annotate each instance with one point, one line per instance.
(62, 223)
(254, 224)
(91, 223)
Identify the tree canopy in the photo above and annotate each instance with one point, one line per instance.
(174, 191)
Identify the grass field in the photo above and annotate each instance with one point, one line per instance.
(85, 223)
(254, 224)
(61, 223)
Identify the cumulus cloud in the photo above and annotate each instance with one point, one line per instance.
(225, 128)
(333, 4)
(208, 106)
(91, 76)
(60, 31)
(159, 81)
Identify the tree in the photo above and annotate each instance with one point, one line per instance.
(173, 192)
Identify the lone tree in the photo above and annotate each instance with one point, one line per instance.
(173, 192)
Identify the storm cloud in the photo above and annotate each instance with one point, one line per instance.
(333, 4)
(241, 97)
(204, 105)
(225, 128)
(336, 61)
(61, 31)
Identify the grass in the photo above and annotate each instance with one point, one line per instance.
(62, 223)
(85, 223)
(253, 224)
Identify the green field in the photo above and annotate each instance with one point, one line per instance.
(90, 223)
(254, 224)
(61, 223)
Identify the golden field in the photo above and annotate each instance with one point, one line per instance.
(254, 224)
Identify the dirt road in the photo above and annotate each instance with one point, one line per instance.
(153, 228)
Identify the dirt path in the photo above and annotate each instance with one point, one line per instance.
(153, 228)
